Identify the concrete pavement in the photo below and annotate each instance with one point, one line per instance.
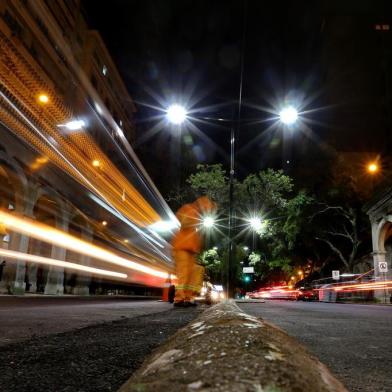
(354, 341)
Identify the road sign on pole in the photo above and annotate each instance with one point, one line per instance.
(383, 266)
(248, 270)
(335, 275)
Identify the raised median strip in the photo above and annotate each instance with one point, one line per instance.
(225, 349)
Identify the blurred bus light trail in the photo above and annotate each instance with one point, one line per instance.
(59, 263)
(57, 237)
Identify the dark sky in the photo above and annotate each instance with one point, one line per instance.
(323, 56)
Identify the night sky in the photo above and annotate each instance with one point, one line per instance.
(325, 57)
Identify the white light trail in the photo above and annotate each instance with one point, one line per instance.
(57, 237)
(59, 263)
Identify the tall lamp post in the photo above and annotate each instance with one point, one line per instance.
(177, 115)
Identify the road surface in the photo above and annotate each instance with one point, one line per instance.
(75, 344)
(25, 317)
(354, 341)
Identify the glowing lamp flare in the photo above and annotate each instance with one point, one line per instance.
(208, 222)
(256, 223)
(288, 115)
(372, 168)
(176, 114)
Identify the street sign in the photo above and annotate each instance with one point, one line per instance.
(335, 275)
(248, 270)
(383, 266)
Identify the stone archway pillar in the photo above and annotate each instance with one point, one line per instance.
(381, 295)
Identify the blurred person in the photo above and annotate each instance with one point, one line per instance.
(187, 243)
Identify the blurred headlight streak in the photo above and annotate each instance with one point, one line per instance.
(67, 241)
(59, 263)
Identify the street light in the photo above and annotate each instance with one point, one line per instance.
(288, 115)
(372, 168)
(208, 222)
(176, 114)
(256, 223)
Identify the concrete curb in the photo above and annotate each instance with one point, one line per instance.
(225, 349)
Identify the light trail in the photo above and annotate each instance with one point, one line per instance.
(57, 237)
(59, 263)
(365, 286)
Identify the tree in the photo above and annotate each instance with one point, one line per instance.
(341, 232)
(268, 194)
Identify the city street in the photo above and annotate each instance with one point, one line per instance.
(74, 344)
(25, 317)
(354, 341)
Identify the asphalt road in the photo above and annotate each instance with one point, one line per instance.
(69, 344)
(354, 341)
(24, 317)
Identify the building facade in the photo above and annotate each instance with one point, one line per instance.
(66, 123)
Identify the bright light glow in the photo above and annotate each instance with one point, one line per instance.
(208, 222)
(176, 114)
(99, 109)
(288, 115)
(215, 248)
(372, 168)
(256, 223)
(96, 163)
(300, 273)
(126, 241)
(64, 240)
(163, 226)
(59, 263)
(245, 248)
(43, 98)
(104, 223)
(73, 125)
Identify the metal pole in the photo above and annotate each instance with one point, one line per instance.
(234, 129)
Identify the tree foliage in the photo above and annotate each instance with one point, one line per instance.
(269, 194)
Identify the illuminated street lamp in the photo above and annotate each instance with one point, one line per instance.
(176, 114)
(245, 248)
(208, 222)
(256, 223)
(104, 223)
(96, 163)
(372, 168)
(288, 115)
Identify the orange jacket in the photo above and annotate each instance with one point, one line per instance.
(188, 237)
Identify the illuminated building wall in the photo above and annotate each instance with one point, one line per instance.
(65, 159)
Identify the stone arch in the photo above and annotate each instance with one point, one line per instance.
(383, 232)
